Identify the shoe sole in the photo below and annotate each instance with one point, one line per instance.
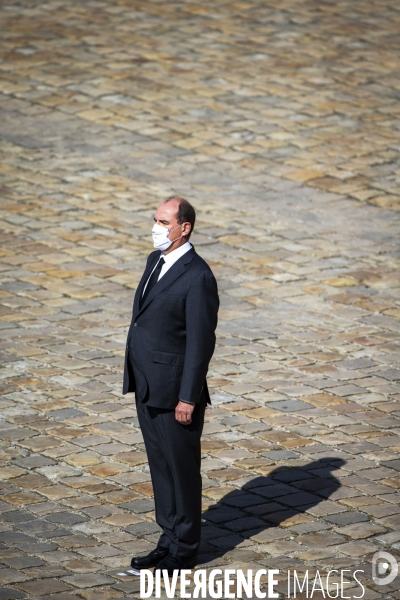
(152, 566)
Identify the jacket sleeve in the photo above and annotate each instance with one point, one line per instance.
(202, 305)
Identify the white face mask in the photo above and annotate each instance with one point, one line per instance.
(160, 237)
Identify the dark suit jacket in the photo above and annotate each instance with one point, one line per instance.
(172, 336)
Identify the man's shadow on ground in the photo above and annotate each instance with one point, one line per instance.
(264, 503)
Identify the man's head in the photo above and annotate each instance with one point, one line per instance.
(178, 216)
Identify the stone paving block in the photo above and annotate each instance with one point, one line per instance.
(346, 518)
(23, 562)
(358, 548)
(12, 576)
(361, 530)
(22, 498)
(10, 594)
(43, 586)
(66, 518)
(139, 506)
(122, 520)
(75, 541)
(143, 528)
(88, 580)
(61, 596)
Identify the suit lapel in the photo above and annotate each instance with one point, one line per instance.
(145, 276)
(173, 273)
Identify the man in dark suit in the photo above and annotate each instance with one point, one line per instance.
(170, 343)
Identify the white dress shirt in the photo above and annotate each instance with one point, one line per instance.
(170, 259)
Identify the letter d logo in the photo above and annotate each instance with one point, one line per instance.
(385, 568)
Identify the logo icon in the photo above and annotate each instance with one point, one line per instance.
(385, 568)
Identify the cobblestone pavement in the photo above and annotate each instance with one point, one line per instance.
(279, 120)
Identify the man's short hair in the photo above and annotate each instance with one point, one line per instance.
(186, 212)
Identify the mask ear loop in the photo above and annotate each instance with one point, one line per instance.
(179, 238)
(173, 241)
(169, 230)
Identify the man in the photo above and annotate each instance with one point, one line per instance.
(170, 343)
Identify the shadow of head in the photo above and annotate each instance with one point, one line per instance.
(263, 502)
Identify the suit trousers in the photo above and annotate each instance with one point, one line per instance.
(174, 456)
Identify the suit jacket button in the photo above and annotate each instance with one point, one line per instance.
(135, 324)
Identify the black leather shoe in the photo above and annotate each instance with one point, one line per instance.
(150, 560)
(175, 563)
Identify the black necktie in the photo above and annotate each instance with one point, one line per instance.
(152, 280)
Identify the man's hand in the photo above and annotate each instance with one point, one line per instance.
(183, 412)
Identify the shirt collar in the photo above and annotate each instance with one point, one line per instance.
(175, 255)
